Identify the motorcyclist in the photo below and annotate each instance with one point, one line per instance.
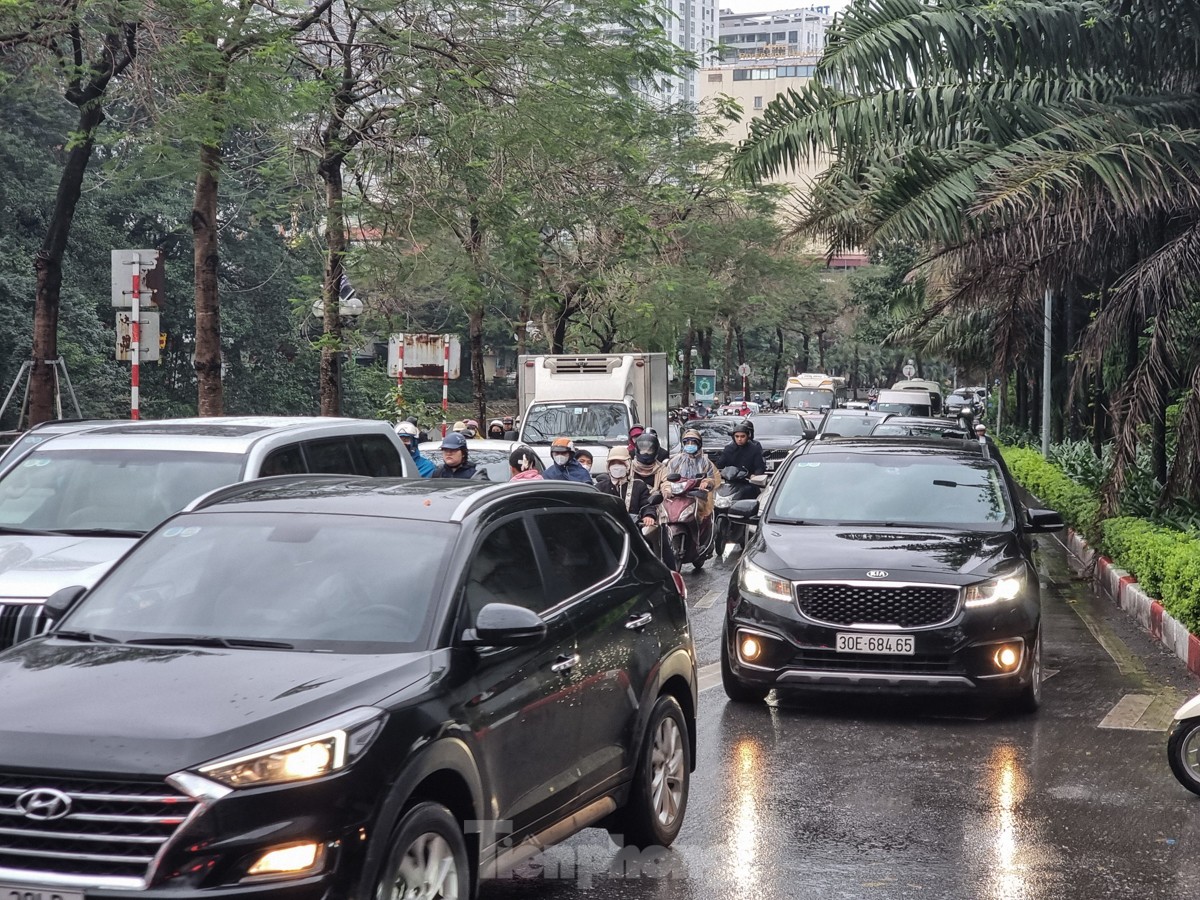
(691, 463)
(409, 436)
(637, 431)
(523, 464)
(455, 463)
(422, 434)
(496, 430)
(647, 466)
(563, 466)
(742, 451)
(633, 492)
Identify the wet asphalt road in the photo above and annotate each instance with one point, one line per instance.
(854, 797)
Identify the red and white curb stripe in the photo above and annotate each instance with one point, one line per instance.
(1123, 589)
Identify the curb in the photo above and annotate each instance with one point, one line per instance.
(1123, 589)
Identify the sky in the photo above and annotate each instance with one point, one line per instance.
(746, 6)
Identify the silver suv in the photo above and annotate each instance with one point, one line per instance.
(73, 504)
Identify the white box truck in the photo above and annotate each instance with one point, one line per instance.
(594, 399)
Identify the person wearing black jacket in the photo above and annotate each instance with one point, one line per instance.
(742, 452)
(632, 492)
(455, 463)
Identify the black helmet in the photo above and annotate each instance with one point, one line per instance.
(647, 448)
(745, 427)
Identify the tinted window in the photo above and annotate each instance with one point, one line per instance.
(911, 489)
(379, 455)
(314, 581)
(284, 461)
(613, 534)
(504, 570)
(332, 456)
(781, 426)
(850, 425)
(576, 556)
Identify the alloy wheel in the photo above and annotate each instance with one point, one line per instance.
(666, 771)
(427, 870)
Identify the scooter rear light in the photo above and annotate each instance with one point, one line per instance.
(680, 584)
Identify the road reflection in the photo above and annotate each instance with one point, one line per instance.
(747, 790)
(1008, 784)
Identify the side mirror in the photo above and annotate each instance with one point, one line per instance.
(506, 625)
(1044, 521)
(744, 509)
(674, 476)
(810, 434)
(62, 601)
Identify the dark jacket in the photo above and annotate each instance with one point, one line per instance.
(638, 502)
(467, 470)
(749, 457)
(572, 471)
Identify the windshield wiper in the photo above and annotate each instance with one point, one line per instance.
(782, 520)
(100, 532)
(17, 529)
(199, 640)
(88, 636)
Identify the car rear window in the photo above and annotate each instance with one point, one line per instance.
(892, 489)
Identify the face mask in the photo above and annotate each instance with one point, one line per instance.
(618, 472)
(646, 458)
(561, 458)
(692, 448)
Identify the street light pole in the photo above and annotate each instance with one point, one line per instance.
(1046, 338)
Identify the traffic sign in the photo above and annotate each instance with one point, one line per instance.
(705, 385)
(151, 277)
(148, 347)
(909, 371)
(744, 370)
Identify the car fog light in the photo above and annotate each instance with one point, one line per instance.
(751, 648)
(292, 859)
(1006, 658)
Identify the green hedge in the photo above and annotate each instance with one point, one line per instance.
(1076, 504)
(1165, 562)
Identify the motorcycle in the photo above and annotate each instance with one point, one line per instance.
(1183, 745)
(690, 534)
(736, 484)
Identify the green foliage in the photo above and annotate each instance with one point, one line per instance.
(1165, 562)
(1076, 504)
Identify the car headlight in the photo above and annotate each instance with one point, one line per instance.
(723, 501)
(318, 750)
(1001, 589)
(761, 583)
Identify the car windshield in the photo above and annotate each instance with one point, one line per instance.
(779, 426)
(849, 425)
(109, 489)
(807, 398)
(892, 489)
(714, 434)
(581, 421)
(315, 582)
(904, 409)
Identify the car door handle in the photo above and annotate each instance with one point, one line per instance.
(637, 622)
(564, 663)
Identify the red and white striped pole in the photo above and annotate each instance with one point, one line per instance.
(135, 331)
(400, 369)
(445, 380)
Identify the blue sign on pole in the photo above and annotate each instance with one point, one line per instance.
(704, 385)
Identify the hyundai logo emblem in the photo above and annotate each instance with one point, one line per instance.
(877, 573)
(44, 804)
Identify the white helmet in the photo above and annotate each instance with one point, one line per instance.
(407, 429)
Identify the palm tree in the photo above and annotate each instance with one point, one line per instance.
(1022, 146)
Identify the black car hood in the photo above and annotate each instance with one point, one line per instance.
(800, 552)
(117, 709)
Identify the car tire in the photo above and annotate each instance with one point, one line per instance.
(1179, 749)
(658, 799)
(1029, 700)
(427, 858)
(735, 689)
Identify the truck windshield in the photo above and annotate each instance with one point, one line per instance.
(807, 398)
(580, 420)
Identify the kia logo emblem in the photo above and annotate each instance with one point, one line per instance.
(877, 573)
(44, 804)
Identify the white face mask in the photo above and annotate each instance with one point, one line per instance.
(561, 458)
(617, 471)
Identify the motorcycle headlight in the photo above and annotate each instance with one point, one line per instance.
(677, 487)
(312, 752)
(1001, 589)
(723, 501)
(761, 583)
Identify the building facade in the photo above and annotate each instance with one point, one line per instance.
(786, 32)
(692, 26)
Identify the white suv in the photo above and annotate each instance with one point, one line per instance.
(73, 504)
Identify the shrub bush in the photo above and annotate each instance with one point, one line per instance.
(1165, 562)
(1076, 504)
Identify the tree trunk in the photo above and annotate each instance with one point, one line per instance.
(743, 383)
(478, 378)
(330, 170)
(1099, 419)
(727, 370)
(705, 341)
(559, 338)
(1020, 419)
(821, 350)
(802, 355)
(48, 266)
(778, 360)
(1159, 437)
(207, 298)
(522, 327)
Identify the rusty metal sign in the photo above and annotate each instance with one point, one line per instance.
(423, 355)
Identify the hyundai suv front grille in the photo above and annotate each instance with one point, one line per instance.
(896, 605)
(84, 828)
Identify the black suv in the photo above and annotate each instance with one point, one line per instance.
(888, 564)
(330, 686)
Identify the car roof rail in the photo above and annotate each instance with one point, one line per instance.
(239, 488)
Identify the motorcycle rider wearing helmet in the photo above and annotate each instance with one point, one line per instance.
(563, 466)
(495, 430)
(743, 451)
(454, 460)
(646, 461)
(691, 463)
(637, 431)
(620, 483)
(410, 435)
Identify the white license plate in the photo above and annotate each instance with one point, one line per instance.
(898, 644)
(36, 892)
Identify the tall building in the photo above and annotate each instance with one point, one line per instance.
(786, 32)
(692, 26)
